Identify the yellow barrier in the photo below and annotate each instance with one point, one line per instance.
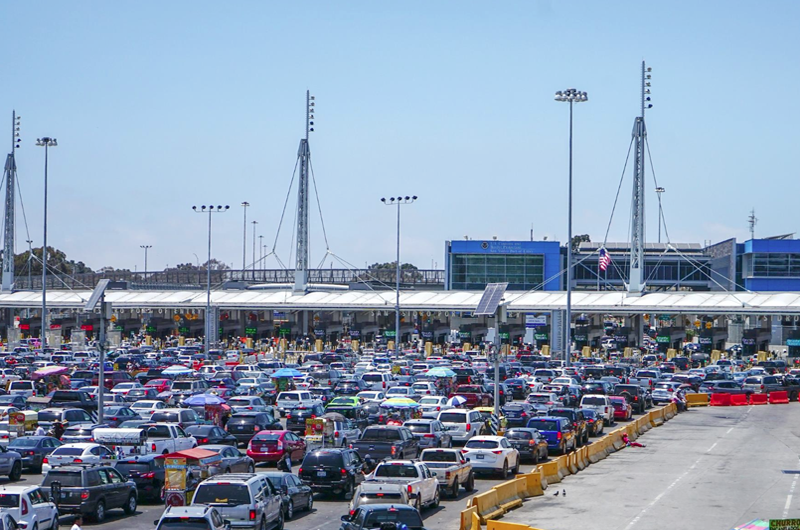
(643, 424)
(657, 417)
(500, 525)
(507, 498)
(466, 518)
(533, 484)
(488, 506)
(596, 452)
(572, 461)
(696, 400)
(616, 440)
(671, 411)
(584, 457)
(632, 430)
(563, 466)
(550, 472)
(522, 487)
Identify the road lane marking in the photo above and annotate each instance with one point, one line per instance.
(675, 483)
(789, 498)
(729, 430)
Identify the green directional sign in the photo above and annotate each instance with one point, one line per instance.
(250, 331)
(390, 333)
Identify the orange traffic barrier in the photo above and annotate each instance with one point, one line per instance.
(466, 518)
(507, 497)
(758, 399)
(488, 505)
(737, 400)
(550, 472)
(720, 399)
(779, 397)
(643, 424)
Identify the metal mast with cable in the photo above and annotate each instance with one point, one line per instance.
(636, 279)
(303, 155)
(10, 176)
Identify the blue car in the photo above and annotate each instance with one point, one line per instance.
(557, 431)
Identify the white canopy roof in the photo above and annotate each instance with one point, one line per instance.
(536, 301)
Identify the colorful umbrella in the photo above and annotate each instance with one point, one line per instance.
(49, 370)
(176, 369)
(440, 371)
(456, 401)
(203, 399)
(287, 372)
(756, 524)
(399, 403)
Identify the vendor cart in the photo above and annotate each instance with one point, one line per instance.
(184, 471)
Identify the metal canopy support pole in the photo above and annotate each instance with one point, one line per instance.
(636, 280)
(304, 154)
(105, 309)
(397, 288)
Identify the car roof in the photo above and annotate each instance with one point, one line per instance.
(186, 511)
(490, 438)
(18, 489)
(80, 445)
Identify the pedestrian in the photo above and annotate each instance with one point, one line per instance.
(39, 430)
(285, 463)
(58, 429)
(627, 441)
(77, 522)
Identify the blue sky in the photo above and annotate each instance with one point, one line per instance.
(158, 106)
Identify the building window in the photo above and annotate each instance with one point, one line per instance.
(774, 265)
(474, 271)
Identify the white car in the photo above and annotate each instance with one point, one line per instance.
(431, 406)
(371, 396)
(124, 388)
(77, 453)
(29, 506)
(424, 388)
(493, 454)
(146, 407)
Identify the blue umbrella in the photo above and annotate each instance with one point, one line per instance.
(287, 372)
(203, 399)
(177, 369)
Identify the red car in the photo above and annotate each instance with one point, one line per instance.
(161, 385)
(270, 446)
(622, 409)
(474, 395)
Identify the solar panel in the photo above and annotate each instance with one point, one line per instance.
(491, 299)
(96, 295)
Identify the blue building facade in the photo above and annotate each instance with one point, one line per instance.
(525, 265)
(771, 264)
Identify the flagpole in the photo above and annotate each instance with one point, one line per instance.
(598, 271)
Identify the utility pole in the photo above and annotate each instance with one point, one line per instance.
(47, 143)
(245, 204)
(146, 248)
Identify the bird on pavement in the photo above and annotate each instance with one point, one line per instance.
(556, 493)
(564, 492)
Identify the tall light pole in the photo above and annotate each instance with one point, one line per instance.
(570, 96)
(255, 224)
(47, 143)
(30, 257)
(391, 202)
(146, 248)
(209, 324)
(245, 204)
(659, 191)
(260, 251)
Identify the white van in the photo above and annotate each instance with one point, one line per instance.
(461, 424)
(22, 388)
(289, 400)
(380, 381)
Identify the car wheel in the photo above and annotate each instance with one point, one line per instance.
(130, 506)
(290, 510)
(310, 504)
(504, 473)
(227, 470)
(516, 467)
(100, 512)
(536, 458)
(436, 499)
(454, 489)
(417, 505)
(347, 492)
(470, 485)
(16, 472)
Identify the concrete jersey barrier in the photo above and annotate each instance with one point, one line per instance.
(466, 518)
(507, 497)
(550, 472)
(488, 505)
(696, 400)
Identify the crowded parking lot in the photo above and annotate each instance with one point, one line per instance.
(311, 440)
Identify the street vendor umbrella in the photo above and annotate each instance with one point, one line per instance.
(456, 401)
(176, 369)
(287, 372)
(49, 370)
(399, 403)
(203, 399)
(440, 371)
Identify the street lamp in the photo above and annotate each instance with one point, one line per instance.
(47, 143)
(146, 248)
(245, 204)
(391, 202)
(570, 96)
(659, 191)
(209, 210)
(255, 223)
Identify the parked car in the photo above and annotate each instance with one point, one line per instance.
(211, 434)
(374, 492)
(420, 483)
(387, 441)
(146, 471)
(622, 409)
(91, 491)
(461, 424)
(530, 443)
(429, 433)
(337, 471)
(113, 416)
(493, 454)
(244, 425)
(233, 461)
(33, 450)
(517, 414)
(248, 404)
(251, 501)
(191, 517)
(29, 507)
(78, 453)
(147, 407)
(270, 446)
(451, 468)
(594, 422)
(294, 494)
(296, 417)
(82, 432)
(557, 431)
(183, 417)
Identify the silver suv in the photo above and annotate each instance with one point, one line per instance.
(182, 517)
(247, 500)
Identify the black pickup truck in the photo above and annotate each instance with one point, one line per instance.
(387, 441)
(73, 399)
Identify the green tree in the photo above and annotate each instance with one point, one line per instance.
(57, 262)
(577, 240)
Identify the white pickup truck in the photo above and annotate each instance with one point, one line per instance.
(450, 468)
(601, 404)
(423, 487)
(161, 438)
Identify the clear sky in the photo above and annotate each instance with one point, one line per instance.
(158, 106)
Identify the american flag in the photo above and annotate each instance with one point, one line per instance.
(605, 259)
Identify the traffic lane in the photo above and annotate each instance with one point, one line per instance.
(709, 467)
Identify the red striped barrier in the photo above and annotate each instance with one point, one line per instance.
(779, 397)
(737, 400)
(758, 399)
(720, 399)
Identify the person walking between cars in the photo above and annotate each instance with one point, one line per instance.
(39, 430)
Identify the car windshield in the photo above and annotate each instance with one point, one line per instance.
(182, 385)
(134, 468)
(23, 442)
(372, 378)
(544, 425)
(396, 470)
(228, 494)
(590, 400)
(519, 435)
(429, 401)
(418, 427)
(68, 451)
(381, 434)
(184, 523)
(323, 458)
(439, 456)
(453, 417)
(165, 417)
(266, 437)
(481, 444)
(68, 479)
(239, 402)
(46, 415)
